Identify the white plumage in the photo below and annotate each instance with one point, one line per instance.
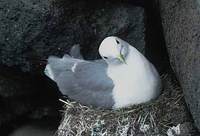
(124, 78)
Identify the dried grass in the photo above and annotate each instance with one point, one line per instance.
(150, 119)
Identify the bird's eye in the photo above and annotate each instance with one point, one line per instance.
(105, 57)
(117, 41)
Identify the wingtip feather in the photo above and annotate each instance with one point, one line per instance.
(48, 72)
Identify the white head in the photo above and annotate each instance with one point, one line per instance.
(114, 50)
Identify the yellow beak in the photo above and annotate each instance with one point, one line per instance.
(121, 58)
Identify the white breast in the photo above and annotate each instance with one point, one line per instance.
(135, 82)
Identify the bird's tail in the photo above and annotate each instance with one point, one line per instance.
(49, 72)
(56, 65)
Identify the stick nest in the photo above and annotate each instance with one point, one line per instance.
(150, 119)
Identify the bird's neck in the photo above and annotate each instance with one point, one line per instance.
(134, 65)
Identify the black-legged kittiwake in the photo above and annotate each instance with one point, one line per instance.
(121, 78)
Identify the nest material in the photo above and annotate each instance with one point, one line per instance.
(150, 119)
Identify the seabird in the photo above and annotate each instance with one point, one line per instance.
(123, 76)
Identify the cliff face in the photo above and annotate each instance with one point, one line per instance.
(32, 30)
(181, 23)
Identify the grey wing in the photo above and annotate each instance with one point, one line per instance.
(75, 52)
(87, 83)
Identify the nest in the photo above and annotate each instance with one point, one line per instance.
(153, 118)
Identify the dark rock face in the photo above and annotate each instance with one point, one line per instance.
(181, 22)
(23, 97)
(20, 22)
(32, 30)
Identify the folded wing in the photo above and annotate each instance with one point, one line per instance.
(83, 81)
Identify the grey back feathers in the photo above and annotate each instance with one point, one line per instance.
(83, 81)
